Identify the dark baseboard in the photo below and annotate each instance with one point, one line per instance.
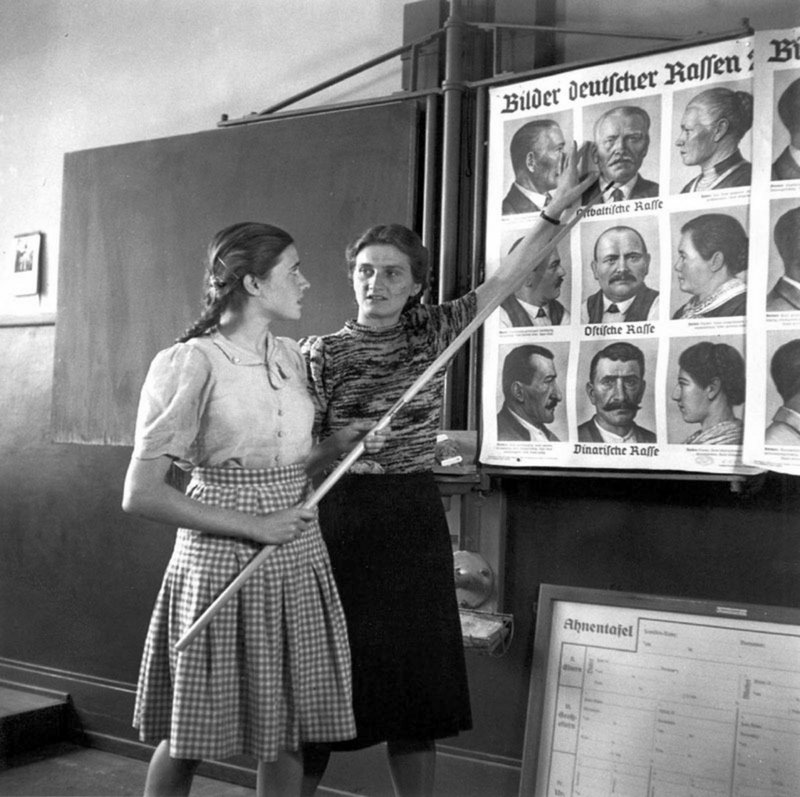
(100, 715)
(101, 711)
(98, 705)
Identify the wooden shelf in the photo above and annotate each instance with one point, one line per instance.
(460, 483)
(738, 482)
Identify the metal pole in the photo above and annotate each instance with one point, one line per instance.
(348, 73)
(495, 26)
(430, 174)
(478, 242)
(452, 90)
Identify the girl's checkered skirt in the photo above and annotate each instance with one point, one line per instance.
(272, 669)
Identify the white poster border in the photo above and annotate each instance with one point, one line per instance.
(662, 83)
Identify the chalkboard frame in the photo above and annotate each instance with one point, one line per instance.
(136, 219)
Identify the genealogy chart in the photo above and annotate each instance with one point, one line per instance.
(772, 422)
(644, 705)
(586, 301)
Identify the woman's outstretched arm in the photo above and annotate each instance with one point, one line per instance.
(525, 257)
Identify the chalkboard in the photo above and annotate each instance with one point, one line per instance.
(646, 695)
(136, 220)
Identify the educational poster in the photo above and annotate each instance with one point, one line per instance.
(772, 423)
(643, 702)
(605, 357)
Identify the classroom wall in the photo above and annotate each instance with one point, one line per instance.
(79, 74)
(690, 539)
(77, 575)
(624, 21)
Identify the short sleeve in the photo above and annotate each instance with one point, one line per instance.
(313, 349)
(171, 404)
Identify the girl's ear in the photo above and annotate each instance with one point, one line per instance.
(250, 284)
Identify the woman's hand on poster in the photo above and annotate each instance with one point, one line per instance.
(586, 163)
(570, 189)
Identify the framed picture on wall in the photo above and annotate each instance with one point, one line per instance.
(25, 268)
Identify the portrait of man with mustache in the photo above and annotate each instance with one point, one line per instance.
(615, 388)
(621, 139)
(530, 395)
(620, 264)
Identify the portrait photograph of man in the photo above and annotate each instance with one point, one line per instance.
(624, 142)
(615, 389)
(784, 261)
(544, 298)
(786, 130)
(531, 393)
(535, 159)
(619, 271)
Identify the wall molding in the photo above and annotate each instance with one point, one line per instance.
(101, 711)
(30, 320)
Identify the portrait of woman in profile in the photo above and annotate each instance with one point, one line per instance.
(712, 127)
(711, 382)
(712, 255)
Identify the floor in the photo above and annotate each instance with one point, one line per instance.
(66, 770)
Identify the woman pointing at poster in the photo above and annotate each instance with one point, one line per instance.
(383, 522)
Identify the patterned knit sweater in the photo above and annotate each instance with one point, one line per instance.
(360, 372)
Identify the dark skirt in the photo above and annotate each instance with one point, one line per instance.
(390, 550)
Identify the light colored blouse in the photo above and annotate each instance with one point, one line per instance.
(696, 308)
(724, 433)
(784, 429)
(210, 403)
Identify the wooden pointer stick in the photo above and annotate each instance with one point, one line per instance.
(491, 305)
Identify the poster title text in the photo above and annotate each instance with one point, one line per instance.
(616, 83)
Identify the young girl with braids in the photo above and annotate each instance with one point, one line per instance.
(229, 403)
